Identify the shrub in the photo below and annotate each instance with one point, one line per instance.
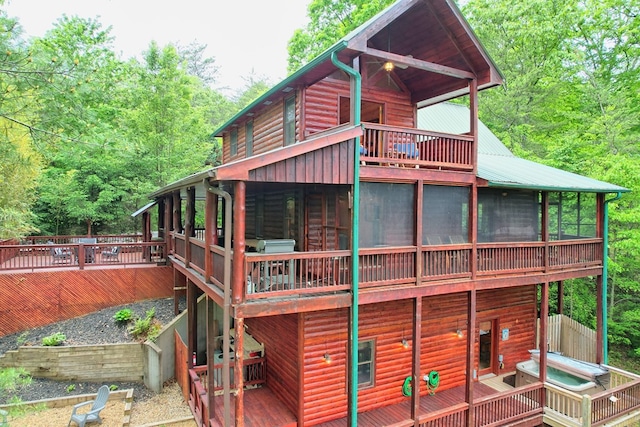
(11, 379)
(70, 388)
(123, 316)
(54, 339)
(146, 328)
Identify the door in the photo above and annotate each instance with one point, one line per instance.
(487, 347)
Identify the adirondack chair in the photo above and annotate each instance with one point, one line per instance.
(3, 418)
(93, 415)
(111, 255)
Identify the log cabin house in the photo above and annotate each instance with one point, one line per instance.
(367, 252)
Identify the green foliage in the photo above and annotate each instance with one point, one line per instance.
(22, 338)
(113, 387)
(147, 327)
(70, 388)
(54, 339)
(11, 379)
(123, 316)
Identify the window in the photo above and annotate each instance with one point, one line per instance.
(365, 363)
(234, 142)
(248, 129)
(290, 121)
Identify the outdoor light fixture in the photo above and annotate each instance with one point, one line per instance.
(459, 333)
(388, 66)
(405, 343)
(327, 358)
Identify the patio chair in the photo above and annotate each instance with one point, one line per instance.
(111, 255)
(93, 415)
(61, 255)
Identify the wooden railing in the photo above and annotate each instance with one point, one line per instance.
(179, 246)
(198, 401)
(512, 257)
(296, 273)
(506, 408)
(386, 266)
(61, 240)
(79, 255)
(391, 145)
(446, 262)
(254, 373)
(565, 253)
(455, 415)
(571, 409)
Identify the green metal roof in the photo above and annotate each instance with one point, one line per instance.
(498, 165)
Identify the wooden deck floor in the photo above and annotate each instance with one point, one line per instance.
(262, 409)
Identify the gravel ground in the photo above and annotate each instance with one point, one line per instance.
(95, 328)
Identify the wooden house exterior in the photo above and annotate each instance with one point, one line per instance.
(380, 246)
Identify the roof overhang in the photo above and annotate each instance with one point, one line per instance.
(143, 209)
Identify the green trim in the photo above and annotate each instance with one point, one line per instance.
(286, 82)
(356, 98)
(496, 184)
(605, 278)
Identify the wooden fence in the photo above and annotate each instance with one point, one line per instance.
(570, 338)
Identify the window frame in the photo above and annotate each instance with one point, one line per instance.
(289, 126)
(371, 362)
(248, 130)
(233, 142)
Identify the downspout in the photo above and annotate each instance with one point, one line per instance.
(226, 323)
(356, 99)
(605, 273)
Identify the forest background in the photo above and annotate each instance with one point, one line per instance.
(86, 136)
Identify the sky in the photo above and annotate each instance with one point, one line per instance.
(242, 35)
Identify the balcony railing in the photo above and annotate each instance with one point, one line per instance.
(571, 409)
(79, 255)
(391, 145)
(297, 273)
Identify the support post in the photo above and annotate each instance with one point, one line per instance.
(544, 318)
(238, 371)
(192, 327)
(210, 232)
(415, 371)
(238, 275)
(211, 348)
(471, 331)
(560, 297)
(599, 321)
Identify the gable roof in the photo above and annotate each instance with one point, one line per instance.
(499, 166)
(440, 51)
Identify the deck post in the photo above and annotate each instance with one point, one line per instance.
(560, 303)
(167, 212)
(544, 224)
(599, 320)
(189, 226)
(238, 371)
(544, 317)
(211, 347)
(177, 212)
(210, 232)
(192, 327)
(415, 374)
(471, 331)
(239, 229)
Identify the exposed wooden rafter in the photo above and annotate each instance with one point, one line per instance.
(419, 64)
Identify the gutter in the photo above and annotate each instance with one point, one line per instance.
(356, 97)
(226, 322)
(605, 273)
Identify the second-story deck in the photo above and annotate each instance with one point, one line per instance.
(326, 272)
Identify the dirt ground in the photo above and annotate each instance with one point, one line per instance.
(164, 407)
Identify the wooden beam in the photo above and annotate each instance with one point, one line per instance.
(560, 296)
(415, 372)
(211, 348)
(544, 320)
(599, 320)
(238, 371)
(471, 358)
(210, 232)
(192, 327)
(238, 276)
(419, 64)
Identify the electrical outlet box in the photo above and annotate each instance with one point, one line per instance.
(505, 334)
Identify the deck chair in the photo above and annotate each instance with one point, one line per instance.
(93, 415)
(111, 255)
(61, 255)
(3, 418)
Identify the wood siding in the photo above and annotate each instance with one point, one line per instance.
(279, 334)
(325, 384)
(268, 132)
(328, 165)
(52, 296)
(322, 105)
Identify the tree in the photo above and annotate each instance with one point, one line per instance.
(329, 21)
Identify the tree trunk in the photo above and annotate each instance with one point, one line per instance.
(89, 228)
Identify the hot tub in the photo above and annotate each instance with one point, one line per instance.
(528, 372)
